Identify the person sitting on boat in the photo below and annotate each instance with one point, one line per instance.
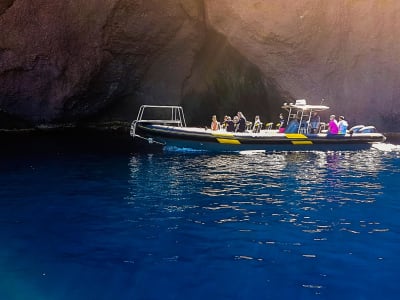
(257, 124)
(315, 121)
(282, 123)
(224, 123)
(293, 126)
(333, 125)
(342, 125)
(230, 125)
(214, 123)
(235, 123)
(241, 123)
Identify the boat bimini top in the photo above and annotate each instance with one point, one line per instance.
(301, 111)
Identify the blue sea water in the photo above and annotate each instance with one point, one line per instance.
(176, 225)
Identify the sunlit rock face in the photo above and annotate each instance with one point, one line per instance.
(346, 52)
(69, 60)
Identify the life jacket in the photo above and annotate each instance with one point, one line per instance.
(214, 125)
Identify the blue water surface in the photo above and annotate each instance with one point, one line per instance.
(176, 225)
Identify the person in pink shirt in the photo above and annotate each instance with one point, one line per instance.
(333, 127)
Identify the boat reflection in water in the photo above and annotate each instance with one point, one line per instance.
(311, 169)
(295, 183)
(307, 220)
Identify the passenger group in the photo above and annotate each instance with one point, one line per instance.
(240, 124)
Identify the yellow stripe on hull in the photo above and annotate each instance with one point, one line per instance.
(298, 139)
(222, 134)
(295, 136)
(302, 142)
(228, 141)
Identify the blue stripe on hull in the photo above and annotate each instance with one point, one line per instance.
(218, 147)
(229, 142)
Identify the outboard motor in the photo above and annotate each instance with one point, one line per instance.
(368, 129)
(356, 129)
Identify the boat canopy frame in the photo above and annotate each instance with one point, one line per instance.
(175, 117)
(302, 112)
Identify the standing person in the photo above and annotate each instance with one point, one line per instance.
(242, 122)
(333, 127)
(342, 125)
(315, 120)
(214, 123)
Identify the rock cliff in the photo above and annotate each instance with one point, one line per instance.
(68, 61)
(345, 52)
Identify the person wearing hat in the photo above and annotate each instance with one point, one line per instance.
(342, 125)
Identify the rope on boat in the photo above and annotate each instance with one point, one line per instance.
(149, 140)
(135, 135)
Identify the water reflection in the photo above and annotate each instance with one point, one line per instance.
(257, 209)
(303, 181)
(262, 175)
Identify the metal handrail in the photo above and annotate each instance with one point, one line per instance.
(177, 117)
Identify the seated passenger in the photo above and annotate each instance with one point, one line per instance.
(342, 125)
(241, 122)
(303, 126)
(236, 123)
(230, 125)
(293, 126)
(282, 123)
(224, 123)
(314, 122)
(333, 125)
(214, 123)
(257, 124)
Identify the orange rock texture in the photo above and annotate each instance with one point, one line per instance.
(344, 51)
(66, 61)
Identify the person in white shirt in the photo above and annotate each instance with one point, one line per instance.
(257, 124)
(342, 125)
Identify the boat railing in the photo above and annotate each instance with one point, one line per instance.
(165, 115)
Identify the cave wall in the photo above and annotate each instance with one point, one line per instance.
(343, 51)
(64, 61)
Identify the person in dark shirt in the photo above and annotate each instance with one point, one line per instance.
(236, 124)
(230, 126)
(315, 120)
(242, 122)
(282, 123)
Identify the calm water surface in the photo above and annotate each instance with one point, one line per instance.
(323, 225)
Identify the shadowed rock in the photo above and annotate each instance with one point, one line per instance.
(68, 61)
